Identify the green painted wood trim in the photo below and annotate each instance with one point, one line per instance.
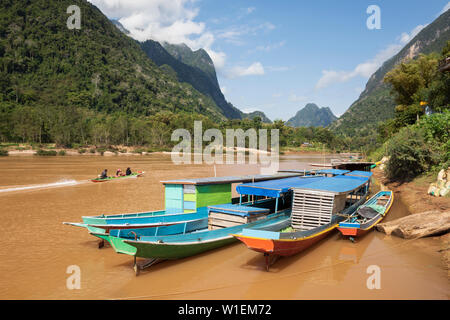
(190, 197)
(208, 195)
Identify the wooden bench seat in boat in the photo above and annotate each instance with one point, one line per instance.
(230, 215)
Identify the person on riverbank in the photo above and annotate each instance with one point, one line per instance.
(128, 172)
(104, 174)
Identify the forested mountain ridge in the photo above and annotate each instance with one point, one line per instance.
(198, 59)
(376, 103)
(45, 65)
(312, 116)
(192, 73)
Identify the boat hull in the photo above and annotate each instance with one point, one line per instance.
(359, 230)
(182, 246)
(178, 251)
(283, 247)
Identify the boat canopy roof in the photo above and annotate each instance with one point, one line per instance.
(360, 173)
(238, 210)
(231, 179)
(276, 188)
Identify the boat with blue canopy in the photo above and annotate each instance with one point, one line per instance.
(319, 204)
(269, 210)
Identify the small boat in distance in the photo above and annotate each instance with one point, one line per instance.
(368, 215)
(133, 175)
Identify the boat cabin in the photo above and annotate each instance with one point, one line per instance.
(188, 195)
(313, 200)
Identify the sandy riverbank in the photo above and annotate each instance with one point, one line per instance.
(136, 151)
(414, 195)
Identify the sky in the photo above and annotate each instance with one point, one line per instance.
(277, 56)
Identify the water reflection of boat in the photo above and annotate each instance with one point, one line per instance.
(319, 205)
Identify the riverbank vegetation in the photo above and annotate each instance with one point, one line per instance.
(81, 128)
(416, 141)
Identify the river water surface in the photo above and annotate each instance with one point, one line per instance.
(37, 194)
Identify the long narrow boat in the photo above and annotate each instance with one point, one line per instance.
(368, 215)
(179, 225)
(317, 209)
(111, 178)
(185, 245)
(185, 200)
(135, 222)
(271, 214)
(117, 237)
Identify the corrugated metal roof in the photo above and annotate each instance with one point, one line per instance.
(360, 173)
(276, 188)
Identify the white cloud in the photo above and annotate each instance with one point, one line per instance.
(161, 20)
(277, 95)
(367, 68)
(234, 34)
(268, 47)
(255, 68)
(223, 89)
(295, 98)
(249, 110)
(250, 10)
(446, 7)
(277, 69)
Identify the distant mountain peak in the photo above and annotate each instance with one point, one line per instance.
(312, 116)
(254, 114)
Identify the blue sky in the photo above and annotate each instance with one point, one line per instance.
(276, 56)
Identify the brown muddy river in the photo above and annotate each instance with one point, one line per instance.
(37, 194)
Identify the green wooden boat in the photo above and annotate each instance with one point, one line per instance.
(116, 238)
(159, 248)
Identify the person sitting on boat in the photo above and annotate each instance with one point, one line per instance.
(119, 173)
(104, 174)
(128, 172)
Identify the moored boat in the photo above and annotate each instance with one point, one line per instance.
(318, 206)
(158, 248)
(368, 215)
(185, 200)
